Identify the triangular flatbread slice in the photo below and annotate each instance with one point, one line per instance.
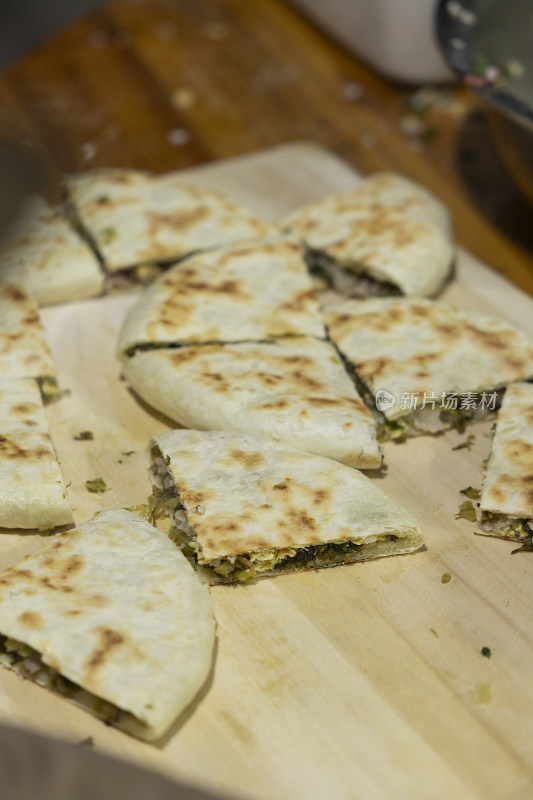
(260, 290)
(295, 390)
(506, 505)
(134, 217)
(24, 352)
(429, 366)
(388, 236)
(244, 506)
(111, 616)
(61, 266)
(32, 489)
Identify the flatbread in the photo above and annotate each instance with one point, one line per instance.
(295, 390)
(245, 506)
(260, 290)
(32, 489)
(23, 349)
(133, 217)
(115, 608)
(389, 229)
(61, 265)
(416, 348)
(506, 505)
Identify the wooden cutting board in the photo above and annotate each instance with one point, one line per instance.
(364, 681)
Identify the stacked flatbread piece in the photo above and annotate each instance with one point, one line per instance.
(233, 339)
(112, 616)
(116, 226)
(60, 263)
(506, 503)
(32, 490)
(245, 506)
(387, 236)
(427, 365)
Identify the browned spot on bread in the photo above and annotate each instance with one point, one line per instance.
(72, 612)
(30, 319)
(275, 404)
(421, 311)
(109, 640)
(282, 487)
(24, 408)
(102, 201)
(324, 401)
(250, 460)
(30, 619)
(98, 600)
(320, 496)
(299, 302)
(72, 566)
(305, 379)
(15, 294)
(301, 518)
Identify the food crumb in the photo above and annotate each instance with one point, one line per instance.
(83, 436)
(445, 577)
(473, 494)
(485, 651)
(215, 31)
(96, 485)
(368, 140)
(88, 150)
(88, 742)
(434, 632)
(483, 694)
(178, 137)
(352, 91)
(467, 444)
(183, 98)
(466, 511)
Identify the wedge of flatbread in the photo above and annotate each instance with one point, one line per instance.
(111, 616)
(295, 390)
(260, 290)
(245, 506)
(506, 505)
(32, 489)
(61, 265)
(388, 236)
(24, 352)
(134, 217)
(429, 366)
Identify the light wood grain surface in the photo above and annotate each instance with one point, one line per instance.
(166, 84)
(363, 681)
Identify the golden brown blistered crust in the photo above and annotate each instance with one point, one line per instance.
(415, 345)
(508, 482)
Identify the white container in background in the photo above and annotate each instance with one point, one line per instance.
(394, 36)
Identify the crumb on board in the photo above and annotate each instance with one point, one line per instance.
(84, 436)
(96, 485)
(466, 511)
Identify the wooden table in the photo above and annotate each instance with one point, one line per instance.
(164, 84)
(343, 683)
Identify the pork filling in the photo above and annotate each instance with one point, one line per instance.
(242, 567)
(28, 663)
(518, 529)
(349, 282)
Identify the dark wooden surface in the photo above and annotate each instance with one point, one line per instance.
(165, 84)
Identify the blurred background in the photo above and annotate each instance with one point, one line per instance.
(166, 84)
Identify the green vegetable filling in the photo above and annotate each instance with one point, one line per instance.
(28, 663)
